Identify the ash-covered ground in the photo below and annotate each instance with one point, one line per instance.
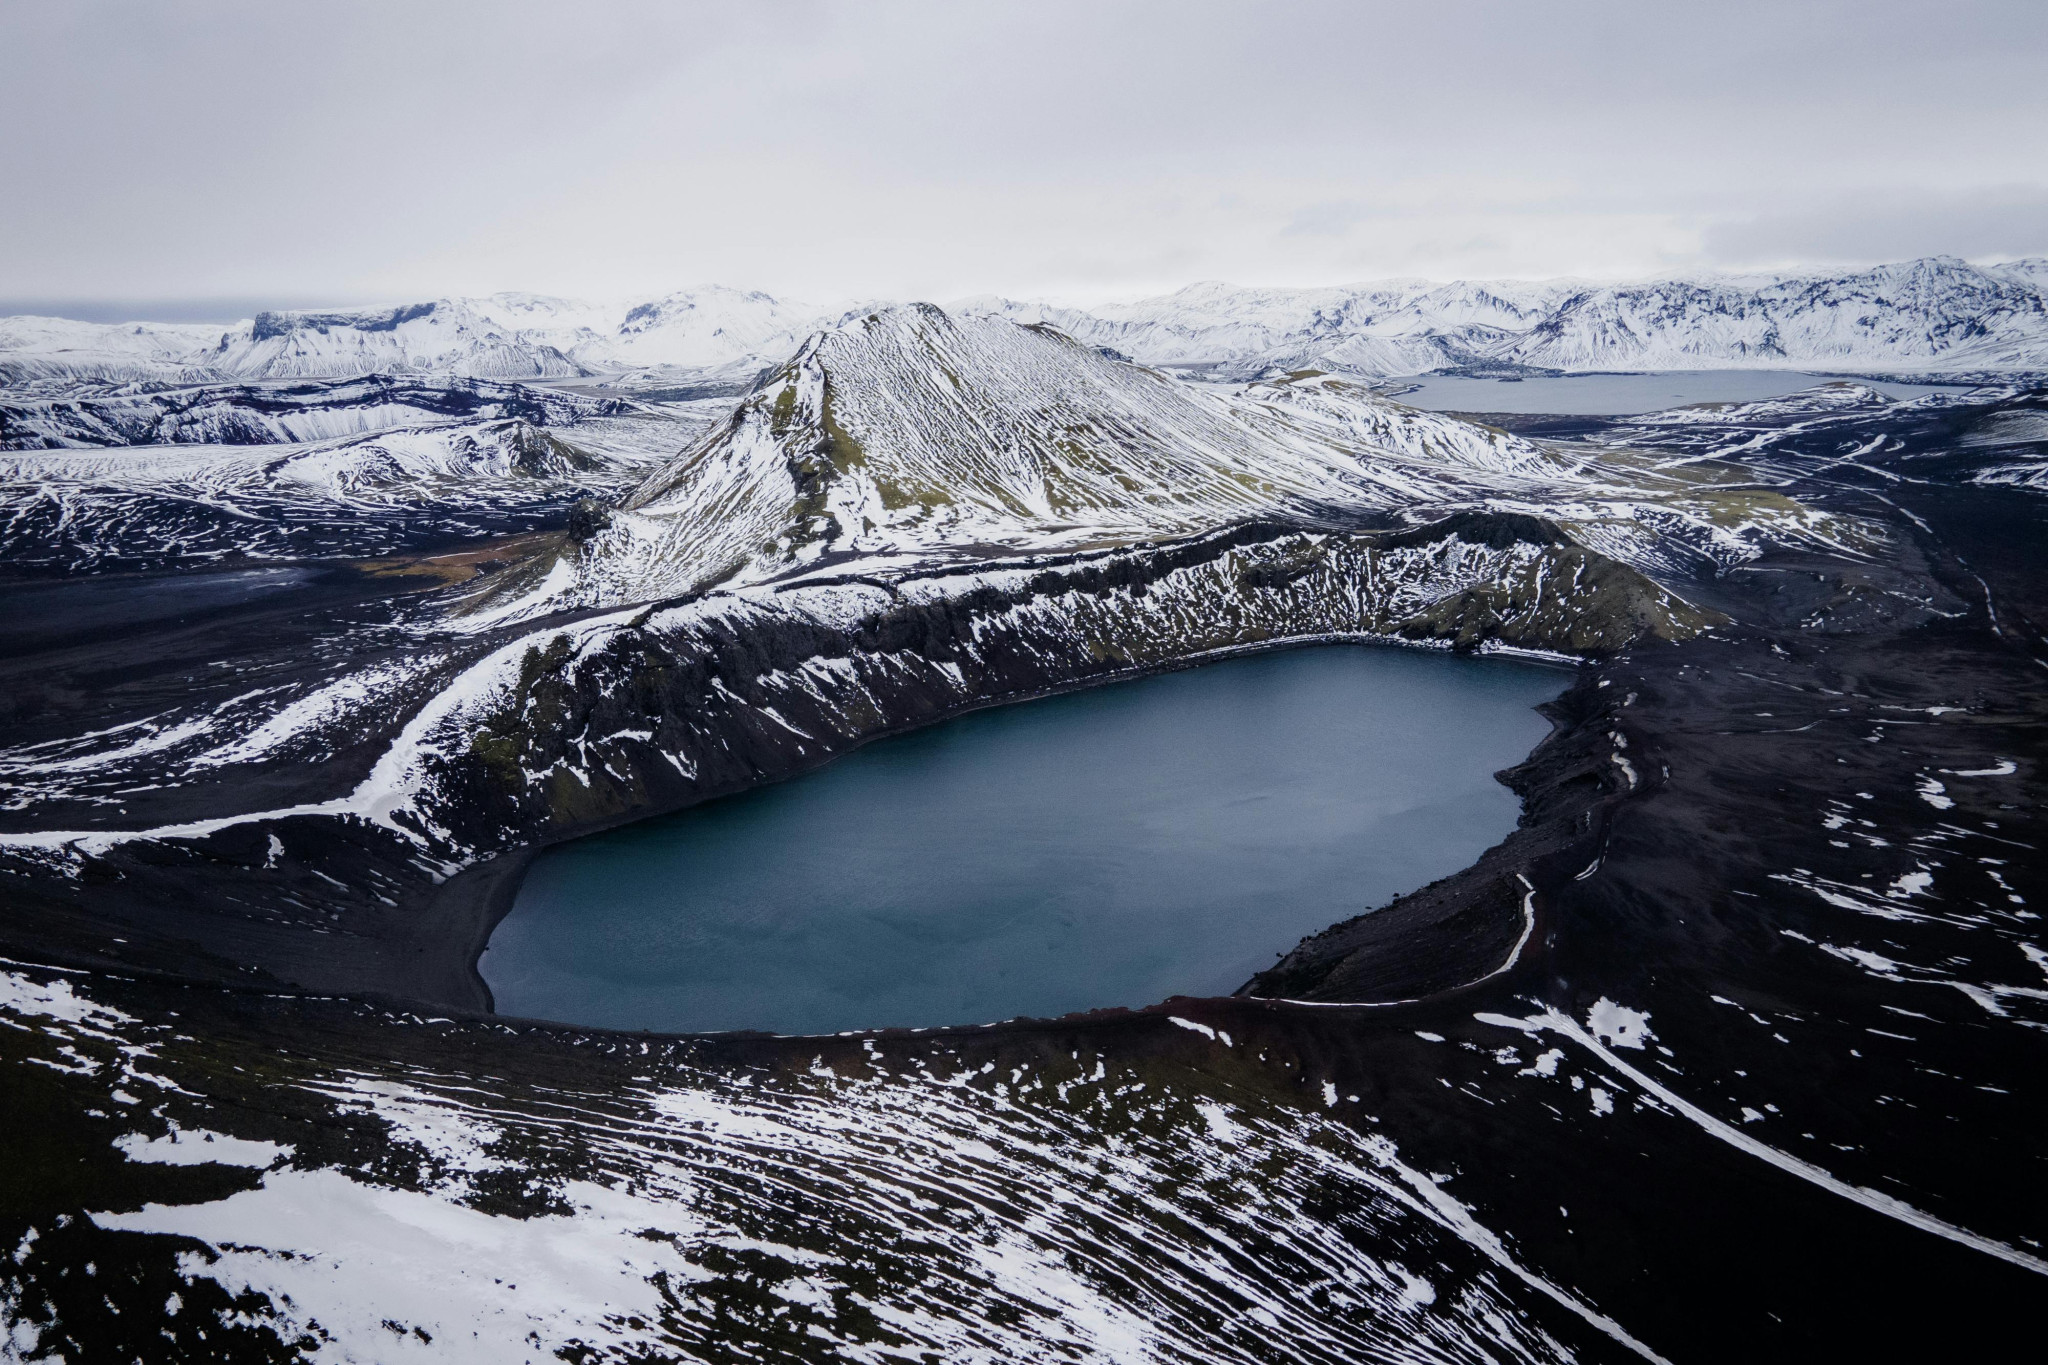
(1732, 1050)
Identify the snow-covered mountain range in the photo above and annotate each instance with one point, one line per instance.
(260, 414)
(504, 336)
(1933, 315)
(178, 477)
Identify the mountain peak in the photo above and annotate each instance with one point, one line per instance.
(907, 432)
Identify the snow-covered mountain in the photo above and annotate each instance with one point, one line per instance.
(1393, 327)
(448, 336)
(1937, 314)
(712, 328)
(914, 436)
(1933, 315)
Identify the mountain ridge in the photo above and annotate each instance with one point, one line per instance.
(1931, 315)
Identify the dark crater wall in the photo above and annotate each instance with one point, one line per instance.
(605, 724)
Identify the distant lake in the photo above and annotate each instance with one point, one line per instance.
(1609, 395)
(1170, 835)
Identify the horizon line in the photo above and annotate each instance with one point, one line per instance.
(228, 309)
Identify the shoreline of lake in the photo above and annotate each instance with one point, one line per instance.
(747, 933)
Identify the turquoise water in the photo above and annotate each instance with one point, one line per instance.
(1167, 836)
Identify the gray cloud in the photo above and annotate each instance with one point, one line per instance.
(1326, 220)
(378, 150)
(1995, 222)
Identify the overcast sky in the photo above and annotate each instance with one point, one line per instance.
(302, 153)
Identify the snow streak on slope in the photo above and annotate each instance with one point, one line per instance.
(2020, 437)
(1829, 428)
(1822, 400)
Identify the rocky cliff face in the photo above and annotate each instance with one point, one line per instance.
(601, 720)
